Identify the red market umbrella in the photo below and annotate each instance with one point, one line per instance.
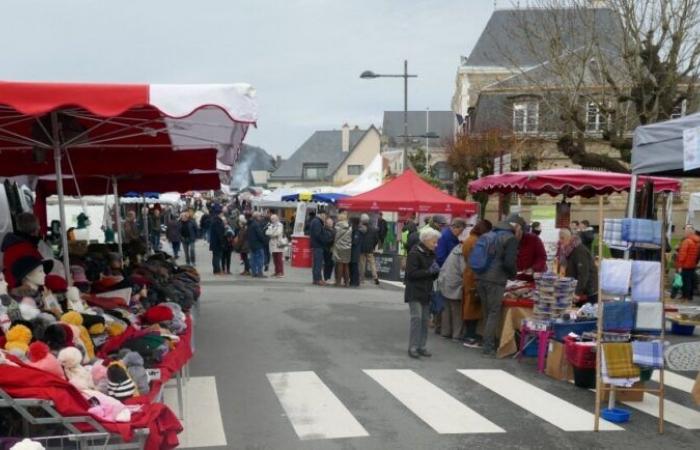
(408, 193)
(568, 182)
(60, 118)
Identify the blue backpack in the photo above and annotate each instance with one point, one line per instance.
(484, 251)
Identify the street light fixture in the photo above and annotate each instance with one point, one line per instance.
(369, 75)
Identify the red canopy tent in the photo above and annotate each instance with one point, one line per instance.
(63, 118)
(567, 182)
(408, 193)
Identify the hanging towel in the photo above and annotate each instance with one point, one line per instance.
(612, 234)
(646, 281)
(641, 231)
(620, 382)
(618, 316)
(648, 354)
(618, 360)
(649, 317)
(615, 276)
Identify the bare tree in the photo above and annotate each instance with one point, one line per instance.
(599, 68)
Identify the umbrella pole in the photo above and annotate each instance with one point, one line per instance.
(117, 216)
(144, 215)
(59, 191)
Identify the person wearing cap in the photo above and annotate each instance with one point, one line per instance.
(491, 284)
(532, 256)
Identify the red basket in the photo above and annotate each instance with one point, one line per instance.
(580, 356)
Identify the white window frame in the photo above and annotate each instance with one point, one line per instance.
(599, 121)
(528, 109)
(316, 167)
(361, 166)
(683, 106)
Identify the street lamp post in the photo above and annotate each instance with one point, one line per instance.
(368, 74)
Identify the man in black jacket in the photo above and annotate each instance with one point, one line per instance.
(257, 243)
(383, 230)
(217, 233)
(328, 239)
(317, 244)
(369, 239)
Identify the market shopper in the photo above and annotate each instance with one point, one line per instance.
(580, 265)
(587, 234)
(217, 238)
(257, 242)
(369, 238)
(229, 238)
(328, 234)
(532, 256)
(491, 283)
(450, 284)
(154, 230)
(188, 236)
(421, 271)
(355, 253)
(315, 232)
(173, 234)
(449, 239)
(686, 261)
(342, 248)
(382, 230)
(275, 234)
(240, 244)
(471, 305)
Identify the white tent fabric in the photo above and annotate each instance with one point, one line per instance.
(658, 147)
(693, 216)
(369, 179)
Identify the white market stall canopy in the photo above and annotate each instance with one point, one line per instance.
(658, 147)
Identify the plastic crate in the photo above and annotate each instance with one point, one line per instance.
(682, 330)
(584, 378)
(531, 349)
(561, 330)
(580, 356)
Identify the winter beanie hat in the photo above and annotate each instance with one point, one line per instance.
(41, 358)
(120, 385)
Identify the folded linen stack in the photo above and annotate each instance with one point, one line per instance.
(646, 281)
(641, 231)
(612, 234)
(618, 316)
(648, 354)
(622, 363)
(615, 275)
(649, 317)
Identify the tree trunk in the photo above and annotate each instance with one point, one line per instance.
(575, 150)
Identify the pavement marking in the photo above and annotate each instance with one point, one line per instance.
(544, 405)
(203, 425)
(434, 406)
(675, 381)
(673, 412)
(312, 408)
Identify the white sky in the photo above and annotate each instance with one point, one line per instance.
(303, 56)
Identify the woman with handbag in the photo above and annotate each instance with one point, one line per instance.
(278, 242)
(471, 306)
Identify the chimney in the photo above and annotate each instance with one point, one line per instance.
(345, 138)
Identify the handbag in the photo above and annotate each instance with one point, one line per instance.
(283, 242)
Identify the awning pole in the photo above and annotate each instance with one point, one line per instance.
(59, 191)
(117, 216)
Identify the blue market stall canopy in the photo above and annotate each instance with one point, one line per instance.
(318, 198)
(141, 195)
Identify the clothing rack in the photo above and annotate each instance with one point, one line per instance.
(600, 388)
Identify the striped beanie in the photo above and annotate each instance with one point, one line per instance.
(120, 385)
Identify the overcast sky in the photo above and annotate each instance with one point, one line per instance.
(303, 56)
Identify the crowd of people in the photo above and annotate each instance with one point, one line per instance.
(343, 248)
(458, 281)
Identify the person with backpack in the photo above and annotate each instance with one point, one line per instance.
(421, 272)
(494, 261)
(471, 306)
(229, 237)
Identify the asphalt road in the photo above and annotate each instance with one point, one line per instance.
(247, 330)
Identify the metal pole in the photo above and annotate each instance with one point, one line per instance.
(117, 216)
(59, 191)
(427, 141)
(405, 115)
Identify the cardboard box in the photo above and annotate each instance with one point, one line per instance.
(621, 395)
(558, 366)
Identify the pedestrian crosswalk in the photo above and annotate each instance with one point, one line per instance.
(315, 412)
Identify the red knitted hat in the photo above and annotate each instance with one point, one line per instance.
(41, 358)
(56, 283)
(157, 314)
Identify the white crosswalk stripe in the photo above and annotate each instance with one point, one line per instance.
(673, 412)
(675, 381)
(438, 409)
(544, 405)
(312, 408)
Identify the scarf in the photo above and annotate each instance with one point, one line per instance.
(565, 250)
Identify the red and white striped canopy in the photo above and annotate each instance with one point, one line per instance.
(121, 116)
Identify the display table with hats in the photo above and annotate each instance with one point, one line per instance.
(96, 356)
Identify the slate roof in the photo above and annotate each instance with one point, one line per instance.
(499, 45)
(251, 159)
(441, 122)
(323, 147)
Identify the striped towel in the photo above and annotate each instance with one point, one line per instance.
(642, 231)
(618, 360)
(648, 354)
(612, 234)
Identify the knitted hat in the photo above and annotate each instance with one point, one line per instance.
(27, 444)
(94, 323)
(120, 386)
(56, 283)
(26, 264)
(41, 358)
(72, 317)
(55, 336)
(157, 314)
(18, 338)
(78, 274)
